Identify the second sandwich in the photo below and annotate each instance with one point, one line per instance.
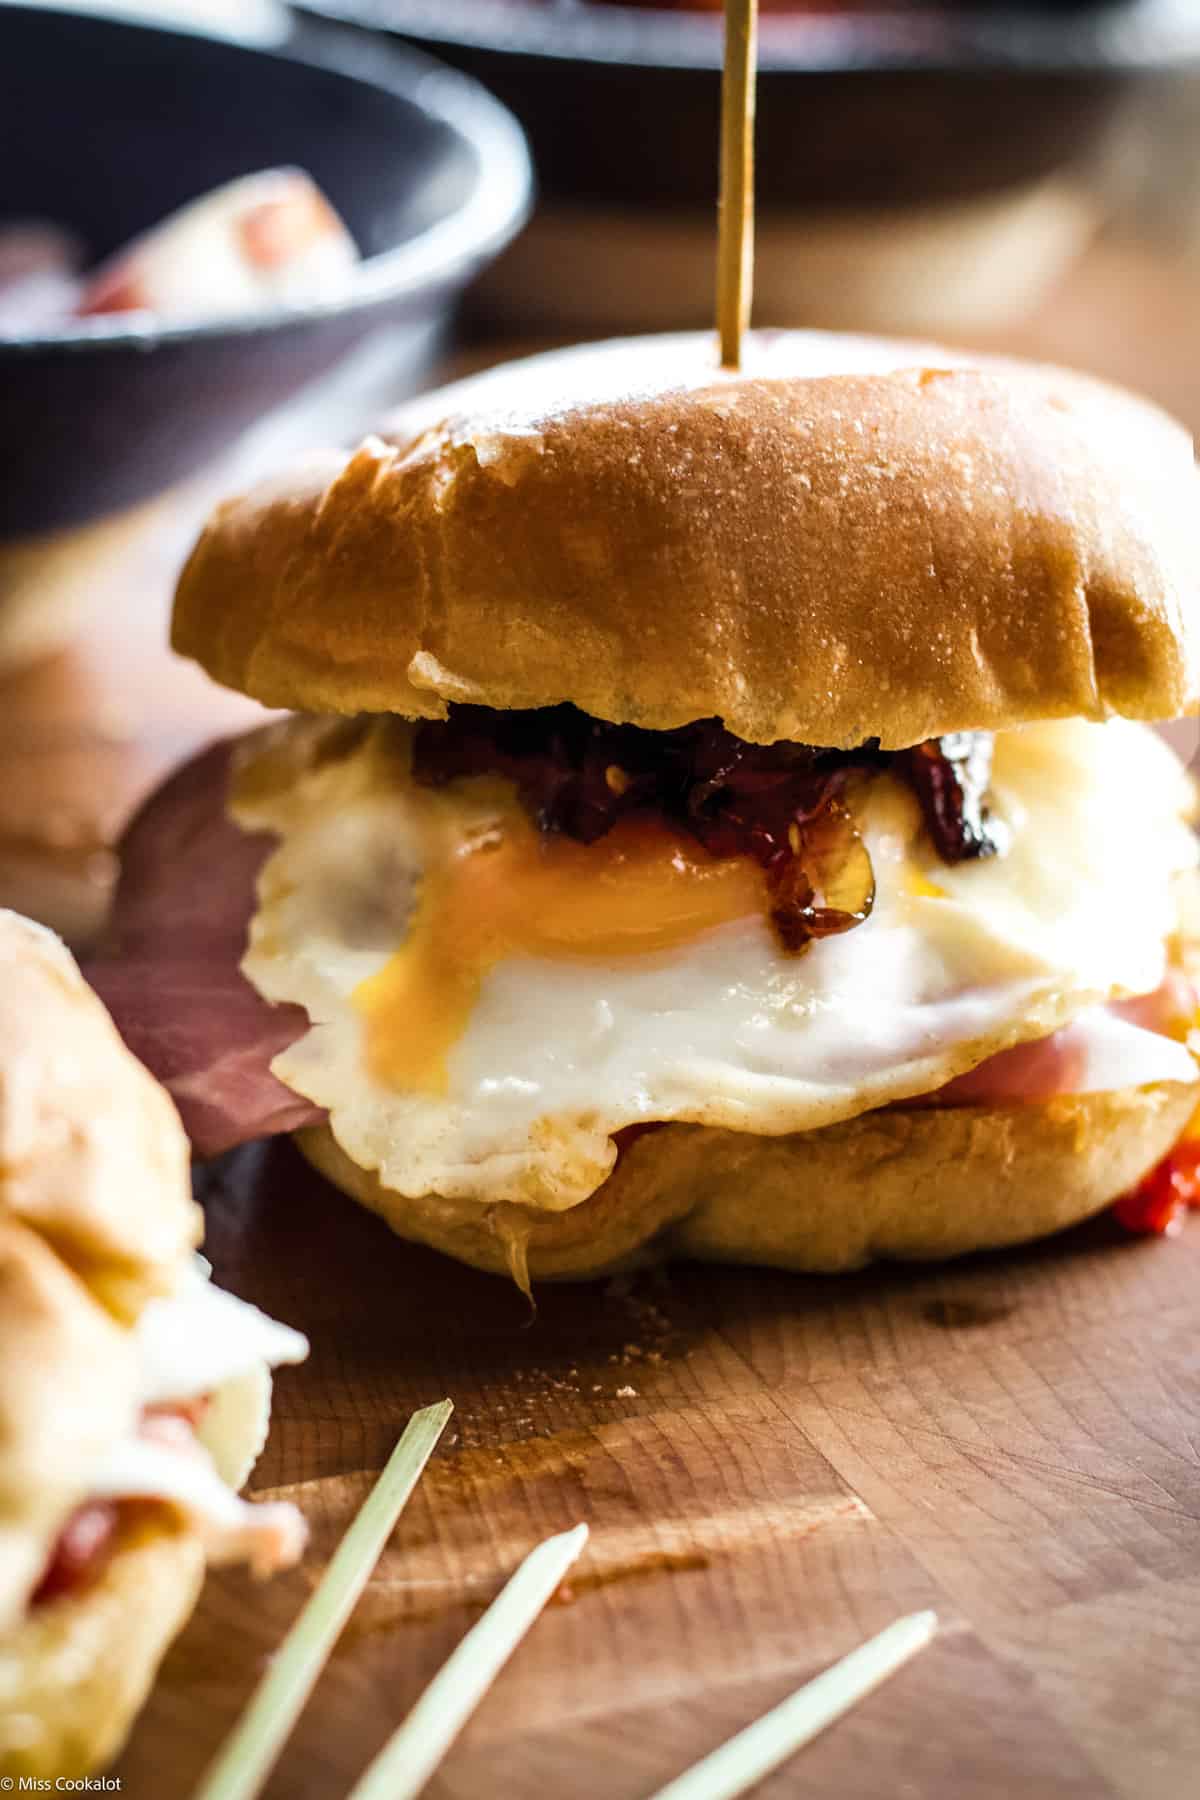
(134, 1395)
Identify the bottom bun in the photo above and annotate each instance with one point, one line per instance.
(75, 1672)
(906, 1183)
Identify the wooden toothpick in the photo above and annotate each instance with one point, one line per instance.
(735, 246)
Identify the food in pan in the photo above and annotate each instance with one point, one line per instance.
(39, 279)
(264, 240)
(270, 239)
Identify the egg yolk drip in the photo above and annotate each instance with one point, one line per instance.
(493, 886)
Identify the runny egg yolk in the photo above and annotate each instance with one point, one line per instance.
(492, 885)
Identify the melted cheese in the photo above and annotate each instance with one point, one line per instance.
(566, 1023)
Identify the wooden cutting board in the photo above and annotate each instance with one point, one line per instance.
(772, 1467)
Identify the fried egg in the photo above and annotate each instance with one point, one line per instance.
(490, 1007)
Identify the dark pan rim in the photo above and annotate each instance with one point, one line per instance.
(1115, 37)
(437, 258)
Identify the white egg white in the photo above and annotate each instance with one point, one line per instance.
(728, 1029)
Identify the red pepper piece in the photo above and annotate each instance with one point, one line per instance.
(1158, 1202)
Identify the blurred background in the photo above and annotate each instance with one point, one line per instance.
(231, 230)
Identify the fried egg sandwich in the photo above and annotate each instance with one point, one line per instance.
(718, 818)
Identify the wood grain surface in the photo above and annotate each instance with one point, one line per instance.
(772, 1467)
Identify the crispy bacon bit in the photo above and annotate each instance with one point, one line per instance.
(950, 777)
(1158, 1203)
(783, 804)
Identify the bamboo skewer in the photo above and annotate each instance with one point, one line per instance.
(417, 1747)
(250, 1751)
(735, 234)
(743, 1761)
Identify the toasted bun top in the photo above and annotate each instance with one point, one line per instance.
(852, 539)
(96, 1215)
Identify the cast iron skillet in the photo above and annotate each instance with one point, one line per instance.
(888, 108)
(106, 126)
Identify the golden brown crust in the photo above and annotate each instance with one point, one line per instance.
(76, 1671)
(903, 1183)
(815, 555)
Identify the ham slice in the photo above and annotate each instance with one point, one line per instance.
(170, 974)
(1105, 1047)
(169, 969)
